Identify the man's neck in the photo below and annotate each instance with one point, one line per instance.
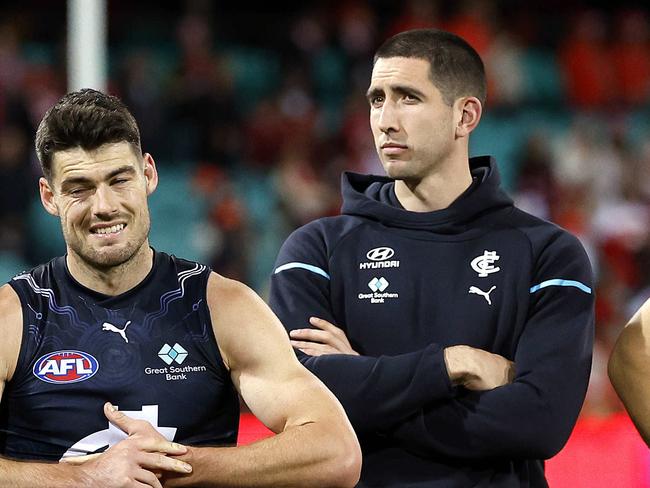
(112, 280)
(436, 191)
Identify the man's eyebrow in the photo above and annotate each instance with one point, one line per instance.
(408, 90)
(374, 92)
(75, 180)
(122, 169)
(399, 89)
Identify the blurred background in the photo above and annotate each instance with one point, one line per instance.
(252, 114)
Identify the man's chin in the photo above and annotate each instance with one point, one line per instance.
(396, 169)
(398, 173)
(107, 257)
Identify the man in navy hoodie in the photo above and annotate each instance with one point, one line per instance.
(455, 329)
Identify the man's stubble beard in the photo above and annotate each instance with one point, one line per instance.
(112, 258)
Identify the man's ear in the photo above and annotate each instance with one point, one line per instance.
(470, 111)
(150, 173)
(47, 197)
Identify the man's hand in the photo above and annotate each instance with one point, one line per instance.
(476, 369)
(327, 338)
(136, 461)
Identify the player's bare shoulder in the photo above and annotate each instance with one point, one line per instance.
(11, 320)
(226, 292)
(228, 300)
(243, 323)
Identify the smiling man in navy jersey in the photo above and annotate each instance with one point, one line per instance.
(127, 363)
(455, 329)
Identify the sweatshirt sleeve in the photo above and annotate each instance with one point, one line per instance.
(395, 386)
(533, 416)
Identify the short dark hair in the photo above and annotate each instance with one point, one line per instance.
(88, 119)
(456, 69)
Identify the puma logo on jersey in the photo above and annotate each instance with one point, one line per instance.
(111, 328)
(484, 294)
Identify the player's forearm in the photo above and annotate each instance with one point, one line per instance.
(20, 474)
(304, 456)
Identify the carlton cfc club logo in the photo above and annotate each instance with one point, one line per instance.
(65, 367)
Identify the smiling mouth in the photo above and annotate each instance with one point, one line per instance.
(114, 229)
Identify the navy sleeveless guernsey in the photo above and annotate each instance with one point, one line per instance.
(150, 351)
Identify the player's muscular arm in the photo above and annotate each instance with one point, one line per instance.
(315, 444)
(629, 369)
(12, 473)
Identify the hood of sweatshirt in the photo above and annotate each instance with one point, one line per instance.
(373, 197)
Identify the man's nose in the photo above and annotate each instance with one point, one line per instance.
(388, 118)
(104, 202)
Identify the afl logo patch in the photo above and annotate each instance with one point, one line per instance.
(380, 254)
(65, 367)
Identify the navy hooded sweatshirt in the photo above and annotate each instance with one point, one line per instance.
(405, 285)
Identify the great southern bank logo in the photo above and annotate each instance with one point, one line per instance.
(379, 257)
(65, 367)
(379, 293)
(378, 284)
(174, 354)
(170, 354)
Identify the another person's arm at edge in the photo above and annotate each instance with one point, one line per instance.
(629, 369)
(395, 386)
(315, 444)
(533, 416)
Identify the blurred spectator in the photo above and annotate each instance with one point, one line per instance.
(304, 196)
(537, 189)
(16, 187)
(586, 62)
(505, 71)
(474, 21)
(415, 14)
(357, 29)
(226, 217)
(587, 156)
(631, 57)
(12, 65)
(140, 88)
(265, 134)
(202, 109)
(642, 170)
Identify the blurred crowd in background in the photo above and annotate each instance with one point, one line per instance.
(252, 115)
